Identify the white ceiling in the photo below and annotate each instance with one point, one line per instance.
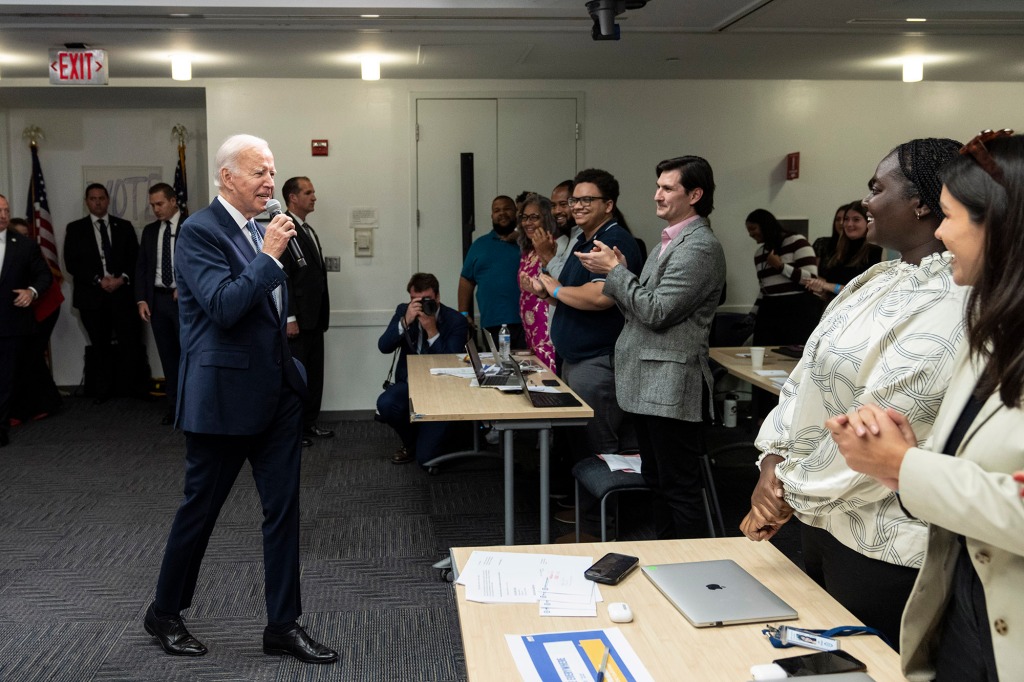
(975, 40)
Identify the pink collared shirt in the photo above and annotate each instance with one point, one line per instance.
(672, 231)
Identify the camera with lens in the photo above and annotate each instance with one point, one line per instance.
(429, 305)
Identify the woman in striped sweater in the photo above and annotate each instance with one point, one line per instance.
(785, 312)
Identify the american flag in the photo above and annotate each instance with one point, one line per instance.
(42, 232)
(181, 182)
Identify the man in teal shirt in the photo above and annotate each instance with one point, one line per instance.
(492, 264)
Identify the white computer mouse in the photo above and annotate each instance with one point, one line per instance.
(620, 612)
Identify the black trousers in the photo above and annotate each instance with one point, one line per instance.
(874, 591)
(117, 317)
(211, 466)
(12, 360)
(670, 451)
(166, 332)
(308, 348)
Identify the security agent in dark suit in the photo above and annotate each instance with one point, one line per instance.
(156, 295)
(100, 251)
(23, 274)
(309, 305)
(421, 326)
(240, 397)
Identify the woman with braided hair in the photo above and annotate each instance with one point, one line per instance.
(888, 338)
(963, 621)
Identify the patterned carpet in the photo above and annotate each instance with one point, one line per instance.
(87, 497)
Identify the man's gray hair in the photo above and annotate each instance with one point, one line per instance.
(231, 149)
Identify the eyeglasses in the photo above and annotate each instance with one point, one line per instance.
(586, 201)
(976, 148)
(529, 218)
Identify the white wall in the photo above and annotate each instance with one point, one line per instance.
(744, 128)
(95, 137)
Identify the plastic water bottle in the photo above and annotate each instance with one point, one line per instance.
(504, 344)
(729, 410)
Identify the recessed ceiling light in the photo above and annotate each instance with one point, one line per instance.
(915, 19)
(370, 16)
(371, 69)
(913, 70)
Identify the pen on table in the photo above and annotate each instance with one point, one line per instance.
(604, 665)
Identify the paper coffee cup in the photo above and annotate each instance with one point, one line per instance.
(757, 356)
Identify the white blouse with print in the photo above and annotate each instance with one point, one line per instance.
(889, 338)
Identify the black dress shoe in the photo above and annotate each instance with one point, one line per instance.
(316, 431)
(297, 643)
(172, 634)
(307, 442)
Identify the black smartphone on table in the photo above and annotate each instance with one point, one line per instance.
(821, 663)
(611, 568)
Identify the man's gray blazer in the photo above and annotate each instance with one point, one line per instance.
(661, 357)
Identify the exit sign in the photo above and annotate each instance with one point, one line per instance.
(78, 67)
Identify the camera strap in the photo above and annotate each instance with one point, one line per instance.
(391, 372)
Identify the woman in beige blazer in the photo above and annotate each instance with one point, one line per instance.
(965, 617)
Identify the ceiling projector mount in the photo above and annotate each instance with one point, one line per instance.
(603, 12)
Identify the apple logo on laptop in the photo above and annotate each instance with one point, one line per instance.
(714, 586)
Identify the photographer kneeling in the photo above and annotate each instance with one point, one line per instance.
(423, 325)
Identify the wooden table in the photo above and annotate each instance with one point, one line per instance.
(449, 398)
(668, 645)
(741, 367)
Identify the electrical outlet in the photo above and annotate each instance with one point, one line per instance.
(333, 263)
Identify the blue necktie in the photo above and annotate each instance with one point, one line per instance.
(254, 234)
(257, 240)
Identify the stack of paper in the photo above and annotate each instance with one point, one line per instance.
(628, 463)
(554, 582)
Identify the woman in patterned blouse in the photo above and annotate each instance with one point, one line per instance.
(889, 338)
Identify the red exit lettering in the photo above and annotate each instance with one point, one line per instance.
(76, 66)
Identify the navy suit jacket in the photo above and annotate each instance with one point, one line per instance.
(234, 352)
(23, 267)
(451, 327)
(82, 258)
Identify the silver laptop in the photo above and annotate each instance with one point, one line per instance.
(498, 360)
(504, 378)
(715, 593)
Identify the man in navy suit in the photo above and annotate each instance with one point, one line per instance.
(23, 274)
(421, 326)
(100, 252)
(155, 292)
(240, 397)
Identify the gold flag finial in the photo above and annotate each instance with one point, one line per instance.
(33, 134)
(180, 133)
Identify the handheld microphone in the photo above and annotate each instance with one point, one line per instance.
(273, 208)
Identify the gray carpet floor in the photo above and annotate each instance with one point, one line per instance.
(87, 497)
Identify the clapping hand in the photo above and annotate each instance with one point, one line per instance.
(601, 259)
(873, 441)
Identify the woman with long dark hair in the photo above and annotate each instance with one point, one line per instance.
(957, 624)
(785, 312)
(852, 256)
